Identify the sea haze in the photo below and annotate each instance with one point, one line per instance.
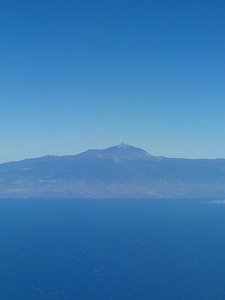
(112, 249)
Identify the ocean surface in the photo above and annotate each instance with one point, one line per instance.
(112, 249)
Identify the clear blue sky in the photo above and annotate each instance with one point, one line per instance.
(87, 74)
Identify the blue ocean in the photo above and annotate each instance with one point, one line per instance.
(111, 249)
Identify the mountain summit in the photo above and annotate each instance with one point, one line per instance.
(120, 171)
(126, 151)
(121, 152)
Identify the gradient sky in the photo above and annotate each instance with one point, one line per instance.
(87, 74)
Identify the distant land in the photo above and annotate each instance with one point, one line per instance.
(121, 171)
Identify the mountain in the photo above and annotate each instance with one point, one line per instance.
(121, 171)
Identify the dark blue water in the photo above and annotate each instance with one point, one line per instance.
(112, 249)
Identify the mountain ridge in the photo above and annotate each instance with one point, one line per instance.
(121, 171)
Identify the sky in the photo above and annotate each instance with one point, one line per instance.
(84, 74)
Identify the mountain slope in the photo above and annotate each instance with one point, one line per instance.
(116, 172)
